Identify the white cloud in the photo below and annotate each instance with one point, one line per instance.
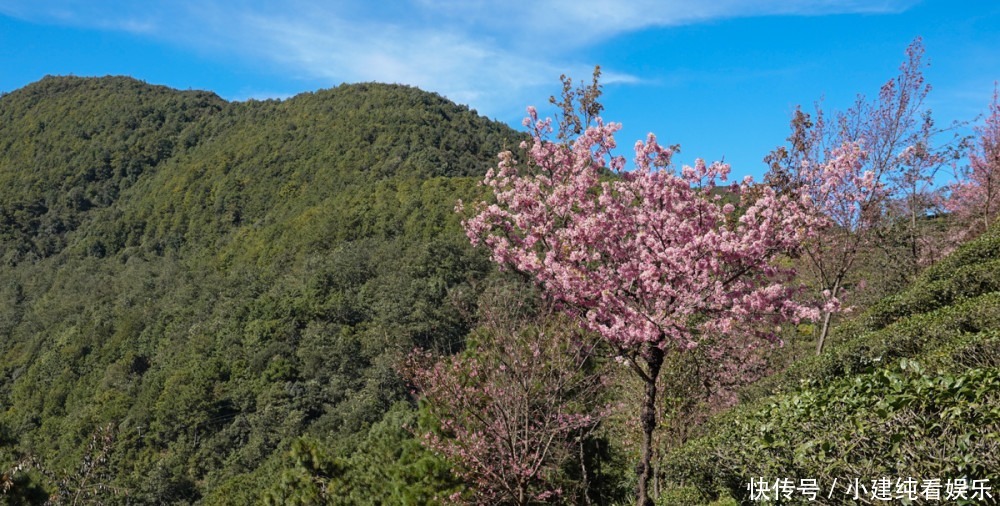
(463, 68)
(490, 54)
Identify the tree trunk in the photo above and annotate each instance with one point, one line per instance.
(914, 243)
(645, 468)
(583, 472)
(825, 329)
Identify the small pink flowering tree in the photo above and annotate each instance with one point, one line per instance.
(975, 198)
(898, 134)
(850, 198)
(652, 260)
(869, 172)
(515, 410)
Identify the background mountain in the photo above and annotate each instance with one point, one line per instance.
(188, 285)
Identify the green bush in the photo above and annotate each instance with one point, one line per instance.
(911, 388)
(904, 422)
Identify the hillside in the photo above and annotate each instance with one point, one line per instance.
(188, 285)
(912, 390)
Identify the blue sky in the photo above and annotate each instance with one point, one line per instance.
(719, 77)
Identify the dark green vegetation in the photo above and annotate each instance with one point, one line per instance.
(213, 280)
(912, 389)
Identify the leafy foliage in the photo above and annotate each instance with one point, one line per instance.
(70, 147)
(903, 422)
(388, 466)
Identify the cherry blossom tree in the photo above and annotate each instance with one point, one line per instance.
(870, 172)
(516, 408)
(654, 260)
(975, 198)
(850, 198)
(898, 134)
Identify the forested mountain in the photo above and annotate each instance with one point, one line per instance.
(189, 285)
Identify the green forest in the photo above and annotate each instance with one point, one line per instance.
(217, 281)
(213, 302)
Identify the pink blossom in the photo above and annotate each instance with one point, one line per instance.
(975, 198)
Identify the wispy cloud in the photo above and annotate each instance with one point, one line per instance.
(572, 23)
(463, 68)
(117, 15)
(489, 54)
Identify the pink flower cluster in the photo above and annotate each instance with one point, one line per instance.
(843, 191)
(649, 255)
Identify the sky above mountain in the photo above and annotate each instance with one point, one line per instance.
(720, 78)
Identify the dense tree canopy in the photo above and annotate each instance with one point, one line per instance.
(216, 279)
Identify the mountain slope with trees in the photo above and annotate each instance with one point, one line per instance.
(189, 285)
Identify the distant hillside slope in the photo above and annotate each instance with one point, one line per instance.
(911, 391)
(69, 146)
(212, 280)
